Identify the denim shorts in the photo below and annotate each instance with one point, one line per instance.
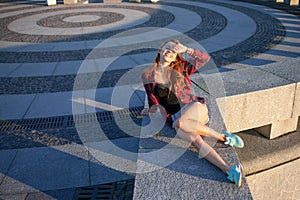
(176, 116)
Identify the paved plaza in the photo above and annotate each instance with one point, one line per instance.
(65, 66)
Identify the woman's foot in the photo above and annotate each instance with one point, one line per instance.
(235, 175)
(233, 140)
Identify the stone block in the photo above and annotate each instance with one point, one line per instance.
(189, 177)
(256, 109)
(70, 1)
(281, 182)
(294, 3)
(250, 98)
(51, 2)
(296, 108)
(289, 70)
(170, 168)
(278, 128)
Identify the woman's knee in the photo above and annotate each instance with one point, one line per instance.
(196, 139)
(182, 124)
(203, 112)
(190, 137)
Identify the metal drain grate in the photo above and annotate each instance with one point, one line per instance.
(116, 190)
(104, 192)
(40, 123)
(67, 121)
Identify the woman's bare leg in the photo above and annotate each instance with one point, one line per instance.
(203, 130)
(193, 119)
(205, 151)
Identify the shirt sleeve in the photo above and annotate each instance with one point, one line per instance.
(198, 59)
(147, 79)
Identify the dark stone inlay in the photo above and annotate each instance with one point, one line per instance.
(57, 20)
(158, 18)
(212, 23)
(269, 32)
(62, 83)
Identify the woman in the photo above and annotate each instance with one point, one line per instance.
(167, 84)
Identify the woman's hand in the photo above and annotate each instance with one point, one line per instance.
(180, 48)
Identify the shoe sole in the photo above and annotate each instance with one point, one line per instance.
(241, 176)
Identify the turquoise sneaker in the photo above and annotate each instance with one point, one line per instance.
(235, 175)
(233, 140)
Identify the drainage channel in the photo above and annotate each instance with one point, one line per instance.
(67, 121)
(109, 191)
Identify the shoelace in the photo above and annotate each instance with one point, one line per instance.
(229, 141)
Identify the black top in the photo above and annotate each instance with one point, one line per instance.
(169, 101)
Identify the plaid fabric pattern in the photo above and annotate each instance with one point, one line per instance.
(183, 92)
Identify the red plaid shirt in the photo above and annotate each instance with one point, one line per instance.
(183, 92)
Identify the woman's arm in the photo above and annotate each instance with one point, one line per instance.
(199, 59)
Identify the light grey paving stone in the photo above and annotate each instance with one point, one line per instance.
(37, 47)
(60, 103)
(47, 168)
(190, 178)
(113, 160)
(119, 97)
(69, 46)
(139, 90)
(34, 69)
(144, 58)
(105, 99)
(12, 46)
(67, 68)
(122, 62)
(182, 17)
(6, 158)
(14, 106)
(51, 104)
(107, 64)
(8, 68)
(243, 25)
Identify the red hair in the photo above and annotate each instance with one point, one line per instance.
(175, 74)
